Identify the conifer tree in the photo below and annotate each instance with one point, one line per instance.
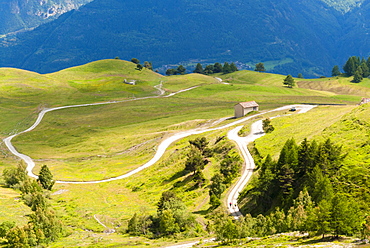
(335, 71)
(180, 70)
(344, 216)
(226, 68)
(209, 69)
(198, 69)
(195, 161)
(357, 77)
(289, 81)
(170, 72)
(46, 178)
(216, 189)
(365, 69)
(233, 67)
(351, 65)
(319, 219)
(217, 68)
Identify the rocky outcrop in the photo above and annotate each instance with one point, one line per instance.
(20, 15)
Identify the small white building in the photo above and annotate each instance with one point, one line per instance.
(244, 108)
(364, 100)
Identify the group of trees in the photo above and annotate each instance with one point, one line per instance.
(172, 217)
(216, 68)
(209, 69)
(356, 67)
(43, 226)
(147, 65)
(301, 188)
(338, 216)
(180, 70)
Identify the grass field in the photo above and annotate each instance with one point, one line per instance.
(97, 142)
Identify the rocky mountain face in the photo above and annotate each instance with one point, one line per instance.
(344, 5)
(20, 15)
(301, 36)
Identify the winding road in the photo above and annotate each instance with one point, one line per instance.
(161, 148)
(242, 142)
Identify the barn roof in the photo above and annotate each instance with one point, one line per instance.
(249, 104)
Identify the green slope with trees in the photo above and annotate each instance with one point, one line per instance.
(97, 142)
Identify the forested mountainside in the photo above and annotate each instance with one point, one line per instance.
(292, 36)
(19, 15)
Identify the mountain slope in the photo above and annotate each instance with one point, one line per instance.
(165, 33)
(21, 15)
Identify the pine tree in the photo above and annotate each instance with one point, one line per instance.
(320, 187)
(320, 218)
(195, 160)
(335, 71)
(286, 179)
(46, 178)
(233, 67)
(357, 77)
(180, 70)
(202, 145)
(209, 69)
(217, 68)
(351, 65)
(170, 72)
(306, 157)
(344, 216)
(289, 81)
(216, 189)
(198, 69)
(365, 69)
(226, 68)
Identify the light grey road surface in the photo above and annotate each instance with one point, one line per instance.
(242, 142)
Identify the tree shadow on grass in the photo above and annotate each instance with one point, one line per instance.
(175, 176)
(203, 212)
(320, 240)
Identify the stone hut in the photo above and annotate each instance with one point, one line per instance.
(244, 108)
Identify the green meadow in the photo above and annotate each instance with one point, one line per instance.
(104, 141)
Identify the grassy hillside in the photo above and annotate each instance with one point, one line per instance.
(23, 93)
(75, 141)
(96, 142)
